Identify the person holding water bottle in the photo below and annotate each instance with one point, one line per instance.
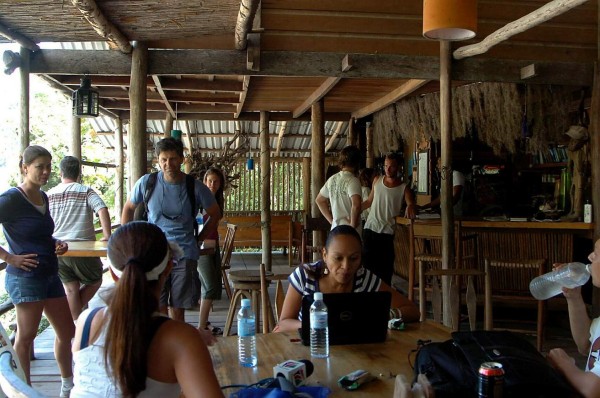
(586, 334)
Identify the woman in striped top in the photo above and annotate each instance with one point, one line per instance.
(340, 271)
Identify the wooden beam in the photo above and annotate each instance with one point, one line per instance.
(24, 104)
(317, 95)
(255, 116)
(240, 105)
(18, 38)
(75, 146)
(244, 22)
(119, 191)
(253, 52)
(541, 15)
(334, 136)
(280, 137)
(103, 26)
(161, 92)
(317, 153)
(98, 164)
(289, 63)
(397, 94)
(137, 123)
(265, 190)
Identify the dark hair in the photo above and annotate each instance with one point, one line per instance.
(219, 194)
(350, 156)
(31, 153)
(70, 167)
(169, 144)
(366, 177)
(342, 230)
(134, 248)
(397, 156)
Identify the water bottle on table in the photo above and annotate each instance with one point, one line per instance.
(549, 285)
(246, 335)
(319, 330)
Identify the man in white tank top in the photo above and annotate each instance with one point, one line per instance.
(385, 201)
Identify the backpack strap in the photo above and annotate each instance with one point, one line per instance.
(150, 184)
(85, 334)
(190, 186)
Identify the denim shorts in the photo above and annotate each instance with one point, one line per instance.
(27, 290)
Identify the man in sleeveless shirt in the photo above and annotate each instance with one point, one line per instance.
(385, 201)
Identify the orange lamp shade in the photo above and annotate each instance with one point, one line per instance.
(451, 20)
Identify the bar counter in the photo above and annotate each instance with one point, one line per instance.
(553, 241)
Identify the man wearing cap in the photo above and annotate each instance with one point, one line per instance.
(170, 208)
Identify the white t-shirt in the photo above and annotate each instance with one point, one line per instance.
(593, 363)
(339, 189)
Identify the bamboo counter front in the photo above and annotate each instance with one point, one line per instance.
(519, 240)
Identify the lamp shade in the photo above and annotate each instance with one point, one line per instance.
(86, 100)
(450, 20)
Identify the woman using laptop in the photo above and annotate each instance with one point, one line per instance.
(340, 271)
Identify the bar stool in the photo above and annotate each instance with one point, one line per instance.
(246, 284)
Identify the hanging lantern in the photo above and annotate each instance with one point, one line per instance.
(250, 164)
(86, 99)
(176, 134)
(451, 20)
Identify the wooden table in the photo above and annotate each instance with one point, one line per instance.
(86, 248)
(384, 360)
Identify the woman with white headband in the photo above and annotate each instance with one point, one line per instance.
(128, 349)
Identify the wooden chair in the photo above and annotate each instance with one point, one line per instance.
(226, 256)
(507, 282)
(312, 224)
(269, 320)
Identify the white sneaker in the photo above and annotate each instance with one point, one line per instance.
(65, 392)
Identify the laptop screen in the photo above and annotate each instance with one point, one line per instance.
(353, 318)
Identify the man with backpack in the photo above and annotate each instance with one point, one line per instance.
(171, 200)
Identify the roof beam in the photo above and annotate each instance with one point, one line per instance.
(244, 22)
(334, 136)
(319, 93)
(280, 137)
(240, 105)
(542, 14)
(18, 38)
(290, 63)
(103, 26)
(399, 93)
(161, 92)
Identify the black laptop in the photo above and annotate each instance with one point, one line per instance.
(354, 318)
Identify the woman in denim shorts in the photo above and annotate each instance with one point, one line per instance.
(32, 273)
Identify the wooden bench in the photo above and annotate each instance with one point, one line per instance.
(249, 232)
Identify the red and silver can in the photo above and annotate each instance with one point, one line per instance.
(490, 380)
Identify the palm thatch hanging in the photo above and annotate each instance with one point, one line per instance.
(502, 113)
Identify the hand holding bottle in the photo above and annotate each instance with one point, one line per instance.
(568, 292)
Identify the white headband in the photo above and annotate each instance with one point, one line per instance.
(174, 252)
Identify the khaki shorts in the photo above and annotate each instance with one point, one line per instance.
(86, 270)
(178, 291)
(209, 268)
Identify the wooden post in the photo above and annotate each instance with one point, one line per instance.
(446, 184)
(594, 131)
(76, 137)
(370, 162)
(24, 74)
(317, 152)
(352, 133)
(168, 125)
(265, 190)
(119, 170)
(137, 123)
(306, 185)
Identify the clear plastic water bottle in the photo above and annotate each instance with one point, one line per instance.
(319, 330)
(246, 335)
(549, 285)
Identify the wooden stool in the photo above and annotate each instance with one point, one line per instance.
(246, 284)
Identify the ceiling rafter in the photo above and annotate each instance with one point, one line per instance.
(161, 92)
(240, 105)
(94, 15)
(18, 38)
(399, 93)
(244, 22)
(319, 93)
(280, 137)
(334, 136)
